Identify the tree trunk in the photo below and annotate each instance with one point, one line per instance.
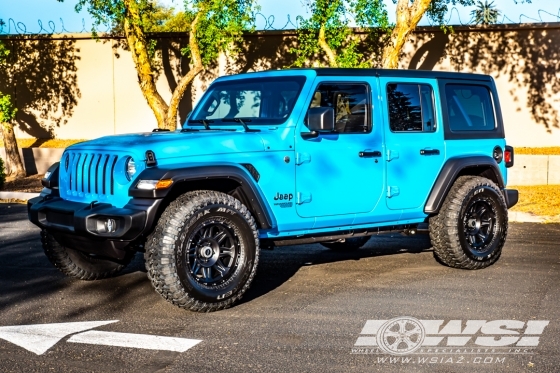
(14, 165)
(137, 42)
(407, 20)
(326, 48)
(197, 67)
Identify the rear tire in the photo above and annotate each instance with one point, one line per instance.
(470, 229)
(346, 244)
(74, 263)
(204, 252)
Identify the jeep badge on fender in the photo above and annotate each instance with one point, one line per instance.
(200, 202)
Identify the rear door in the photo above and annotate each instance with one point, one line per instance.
(415, 150)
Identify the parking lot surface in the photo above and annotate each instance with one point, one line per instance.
(307, 311)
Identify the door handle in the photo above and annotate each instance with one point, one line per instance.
(429, 152)
(365, 153)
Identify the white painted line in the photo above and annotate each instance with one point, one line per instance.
(39, 338)
(145, 341)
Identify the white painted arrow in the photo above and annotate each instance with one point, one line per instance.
(39, 338)
(145, 341)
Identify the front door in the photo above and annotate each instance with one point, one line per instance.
(340, 173)
(414, 141)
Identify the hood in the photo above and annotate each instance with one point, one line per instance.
(178, 144)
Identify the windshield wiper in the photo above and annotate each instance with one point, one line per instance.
(239, 120)
(203, 121)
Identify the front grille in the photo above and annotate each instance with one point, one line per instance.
(90, 173)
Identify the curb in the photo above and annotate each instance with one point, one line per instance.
(525, 217)
(18, 195)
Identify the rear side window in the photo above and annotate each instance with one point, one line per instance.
(411, 107)
(469, 108)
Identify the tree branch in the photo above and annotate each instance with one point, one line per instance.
(326, 48)
(137, 43)
(407, 20)
(197, 67)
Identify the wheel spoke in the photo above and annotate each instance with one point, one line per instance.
(481, 211)
(226, 251)
(220, 267)
(195, 267)
(206, 273)
(220, 237)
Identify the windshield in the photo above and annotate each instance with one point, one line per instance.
(255, 100)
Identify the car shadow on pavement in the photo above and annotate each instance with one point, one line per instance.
(279, 265)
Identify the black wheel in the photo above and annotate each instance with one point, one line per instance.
(470, 229)
(74, 263)
(346, 244)
(204, 252)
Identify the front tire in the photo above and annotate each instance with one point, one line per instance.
(204, 252)
(470, 229)
(74, 263)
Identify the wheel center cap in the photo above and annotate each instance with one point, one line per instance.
(206, 252)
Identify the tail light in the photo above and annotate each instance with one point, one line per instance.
(508, 156)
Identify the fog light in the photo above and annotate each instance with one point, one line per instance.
(106, 225)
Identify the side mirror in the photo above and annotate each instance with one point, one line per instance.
(320, 119)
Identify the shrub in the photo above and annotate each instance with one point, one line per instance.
(2, 174)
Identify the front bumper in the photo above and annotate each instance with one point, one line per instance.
(80, 225)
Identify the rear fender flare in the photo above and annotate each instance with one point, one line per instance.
(449, 173)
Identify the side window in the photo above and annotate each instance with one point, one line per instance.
(469, 108)
(351, 105)
(411, 107)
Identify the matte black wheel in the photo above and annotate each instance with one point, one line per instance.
(74, 263)
(471, 227)
(346, 244)
(204, 251)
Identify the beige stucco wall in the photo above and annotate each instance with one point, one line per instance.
(101, 87)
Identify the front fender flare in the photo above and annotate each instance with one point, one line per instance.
(262, 210)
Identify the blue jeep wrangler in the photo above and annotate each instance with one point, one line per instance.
(285, 157)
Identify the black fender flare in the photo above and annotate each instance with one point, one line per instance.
(258, 204)
(449, 173)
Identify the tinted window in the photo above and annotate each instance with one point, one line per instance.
(350, 103)
(411, 107)
(469, 108)
(262, 101)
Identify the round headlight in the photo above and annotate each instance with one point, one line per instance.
(130, 168)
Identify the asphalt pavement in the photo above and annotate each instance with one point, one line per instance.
(309, 310)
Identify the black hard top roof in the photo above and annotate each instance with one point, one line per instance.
(398, 73)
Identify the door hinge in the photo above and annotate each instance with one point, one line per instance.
(392, 191)
(392, 154)
(303, 198)
(302, 158)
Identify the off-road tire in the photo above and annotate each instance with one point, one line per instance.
(473, 204)
(74, 263)
(347, 244)
(179, 263)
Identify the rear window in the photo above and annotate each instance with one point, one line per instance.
(469, 108)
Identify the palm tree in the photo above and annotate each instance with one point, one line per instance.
(485, 13)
